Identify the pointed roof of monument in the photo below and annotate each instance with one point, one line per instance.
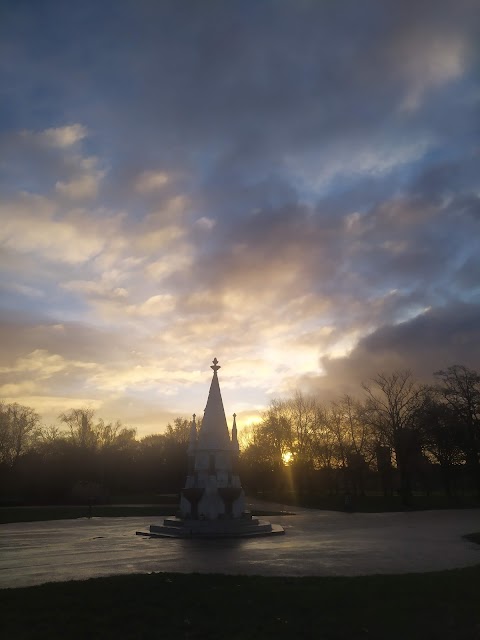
(193, 436)
(214, 430)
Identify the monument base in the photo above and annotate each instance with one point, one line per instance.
(244, 527)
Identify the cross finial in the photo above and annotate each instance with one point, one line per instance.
(194, 416)
(215, 366)
(234, 415)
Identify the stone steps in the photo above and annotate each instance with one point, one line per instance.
(238, 528)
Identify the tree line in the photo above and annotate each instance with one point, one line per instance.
(397, 435)
(85, 458)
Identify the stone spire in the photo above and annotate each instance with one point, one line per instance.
(192, 445)
(235, 445)
(212, 502)
(214, 430)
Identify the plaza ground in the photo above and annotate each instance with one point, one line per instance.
(317, 543)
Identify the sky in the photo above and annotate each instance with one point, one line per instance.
(291, 186)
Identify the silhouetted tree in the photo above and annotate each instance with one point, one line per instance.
(18, 431)
(261, 457)
(179, 432)
(392, 407)
(273, 436)
(460, 389)
(441, 437)
(353, 441)
(304, 414)
(81, 427)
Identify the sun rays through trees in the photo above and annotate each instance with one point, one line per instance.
(396, 436)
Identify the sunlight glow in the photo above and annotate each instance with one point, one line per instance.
(287, 457)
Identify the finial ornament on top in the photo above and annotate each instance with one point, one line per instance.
(215, 365)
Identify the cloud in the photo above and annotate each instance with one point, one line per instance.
(151, 181)
(205, 223)
(22, 289)
(175, 261)
(430, 341)
(95, 288)
(35, 224)
(60, 137)
(352, 157)
(430, 60)
(30, 226)
(291, 187)
(81, 188)
(43, 364)
(157, 305)
(13, 390)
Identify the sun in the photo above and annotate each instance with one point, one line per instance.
(287, 457)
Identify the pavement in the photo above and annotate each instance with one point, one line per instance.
(317, 543)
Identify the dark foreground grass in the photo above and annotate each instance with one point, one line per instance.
(364, 504)
(35, 514)
(374, 503)
(435, 605)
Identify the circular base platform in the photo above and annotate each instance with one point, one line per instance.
(174, 527)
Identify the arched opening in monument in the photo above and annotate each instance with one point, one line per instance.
(211, 464)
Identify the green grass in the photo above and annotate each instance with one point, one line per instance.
(374, 503)
(145, 498)
(169, 505)
(434, 605)
(35, 514)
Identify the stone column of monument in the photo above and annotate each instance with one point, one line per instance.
(213, 489)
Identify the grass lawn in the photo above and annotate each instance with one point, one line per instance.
(128, 507)
(433, 605)
(34, 514)
(374, 503)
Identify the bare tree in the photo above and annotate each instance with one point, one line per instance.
(392, 407)
(18, 431)
(179, 432)
(84, 432)
(114, 435)
(81, 427)
(302, 412)
(323, 441)
(460, 389)
(274, 434)
(49, 434)
(353, 441)
(442, 436)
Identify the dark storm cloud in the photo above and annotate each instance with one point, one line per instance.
(468, 275)
(243, 79)
(434, 336)
(431, 341)
(229, 90)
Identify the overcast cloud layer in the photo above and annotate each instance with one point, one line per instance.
(290, 186)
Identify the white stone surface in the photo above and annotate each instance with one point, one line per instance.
(213, 461)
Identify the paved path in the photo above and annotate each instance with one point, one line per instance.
(317, 543)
